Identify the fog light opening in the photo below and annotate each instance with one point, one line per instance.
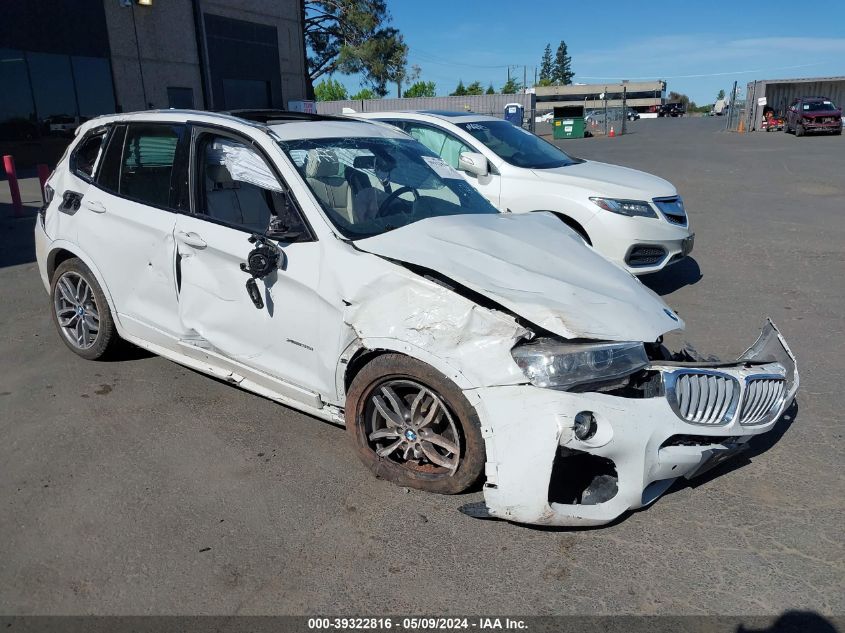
(585, 425)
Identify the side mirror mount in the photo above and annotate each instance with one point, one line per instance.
(473, 163)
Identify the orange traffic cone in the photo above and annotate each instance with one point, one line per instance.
(612, 132)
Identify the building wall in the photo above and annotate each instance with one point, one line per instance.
(284, 16)
(245, 40)
(167, 44)
(640, 95)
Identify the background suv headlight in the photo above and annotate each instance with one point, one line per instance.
(555, 364)
(638, 208)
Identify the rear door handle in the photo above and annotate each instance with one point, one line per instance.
(95, 205)
(191, 239)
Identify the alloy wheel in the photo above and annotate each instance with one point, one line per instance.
(410, 424)
(76, 310)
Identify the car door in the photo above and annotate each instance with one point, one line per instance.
(449, 148)
(235, 193)
(125, 223)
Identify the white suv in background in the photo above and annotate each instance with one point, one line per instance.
(633, 218)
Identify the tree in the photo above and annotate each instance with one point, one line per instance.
(460, 90)
(330, 90)
(512, 86)
(721, 95)
(364, 94)
(562, 70)
(421, 89)
(475, 88)
(678, 97)
(491, 90)
(546, 68)
(352, 36)
(380, 60)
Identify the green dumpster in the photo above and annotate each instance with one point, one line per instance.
(568, 122)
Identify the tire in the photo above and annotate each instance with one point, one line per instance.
(410, 391)
(799, 130)
(86, 325)
(837, 132)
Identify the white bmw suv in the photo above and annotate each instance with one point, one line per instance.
(343, 269)
(633, 218)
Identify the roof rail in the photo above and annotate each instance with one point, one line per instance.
(268, 116)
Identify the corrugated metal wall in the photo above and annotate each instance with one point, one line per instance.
(779, 94)
(480, 104)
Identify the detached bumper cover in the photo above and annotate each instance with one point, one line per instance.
(648, 442)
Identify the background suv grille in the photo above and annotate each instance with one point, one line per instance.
(763, 397)
(701, 397)
(645, 255)
(672, 209)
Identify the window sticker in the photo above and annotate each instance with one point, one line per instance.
(475, 126)
(806, 106)
(441, 168)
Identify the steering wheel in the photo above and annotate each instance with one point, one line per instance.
(390, 198)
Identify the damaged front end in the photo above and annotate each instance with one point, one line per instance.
(583, 453)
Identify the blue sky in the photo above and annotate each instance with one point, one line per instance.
(698, 47)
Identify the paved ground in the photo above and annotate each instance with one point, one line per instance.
(142, 487)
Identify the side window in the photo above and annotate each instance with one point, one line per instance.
(235, 185)
(109, 173)
(146, 165)
(445, 145)
(83, 161)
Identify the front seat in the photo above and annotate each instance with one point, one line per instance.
(364, 196)
(322, 171)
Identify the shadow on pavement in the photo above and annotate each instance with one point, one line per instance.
(17, 240)
(756, 446)
(796, 622)
(685, 273)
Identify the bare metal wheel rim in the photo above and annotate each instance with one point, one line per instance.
(76, 310)
(410, 424)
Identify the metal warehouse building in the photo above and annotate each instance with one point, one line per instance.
(779, 93)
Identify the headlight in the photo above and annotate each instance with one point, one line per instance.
(560, 365)
(639, 208)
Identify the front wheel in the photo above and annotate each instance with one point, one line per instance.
(80, 311)
(799, 130)
(412, 426)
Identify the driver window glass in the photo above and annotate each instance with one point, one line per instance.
(444, 145)
(237, 187)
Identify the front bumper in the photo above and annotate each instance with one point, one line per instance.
(641, 443)
(640, 245)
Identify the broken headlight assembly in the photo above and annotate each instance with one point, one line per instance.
(556, 364)
(638, 208)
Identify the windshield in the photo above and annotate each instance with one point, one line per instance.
(517, 146)
(371, 185)
(819, 106)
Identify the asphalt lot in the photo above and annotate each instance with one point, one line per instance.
(141, 487)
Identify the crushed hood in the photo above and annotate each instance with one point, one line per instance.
(609, 180)
(536, 267)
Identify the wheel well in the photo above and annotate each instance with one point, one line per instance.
(55, 260)
(357, 363)
(574, 225)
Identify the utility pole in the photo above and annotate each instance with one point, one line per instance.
(524, 78)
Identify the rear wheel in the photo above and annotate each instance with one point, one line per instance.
(80, 311)
(413, 426)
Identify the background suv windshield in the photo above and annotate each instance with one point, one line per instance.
(819, 106)
(371, 185)
(517, 146)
